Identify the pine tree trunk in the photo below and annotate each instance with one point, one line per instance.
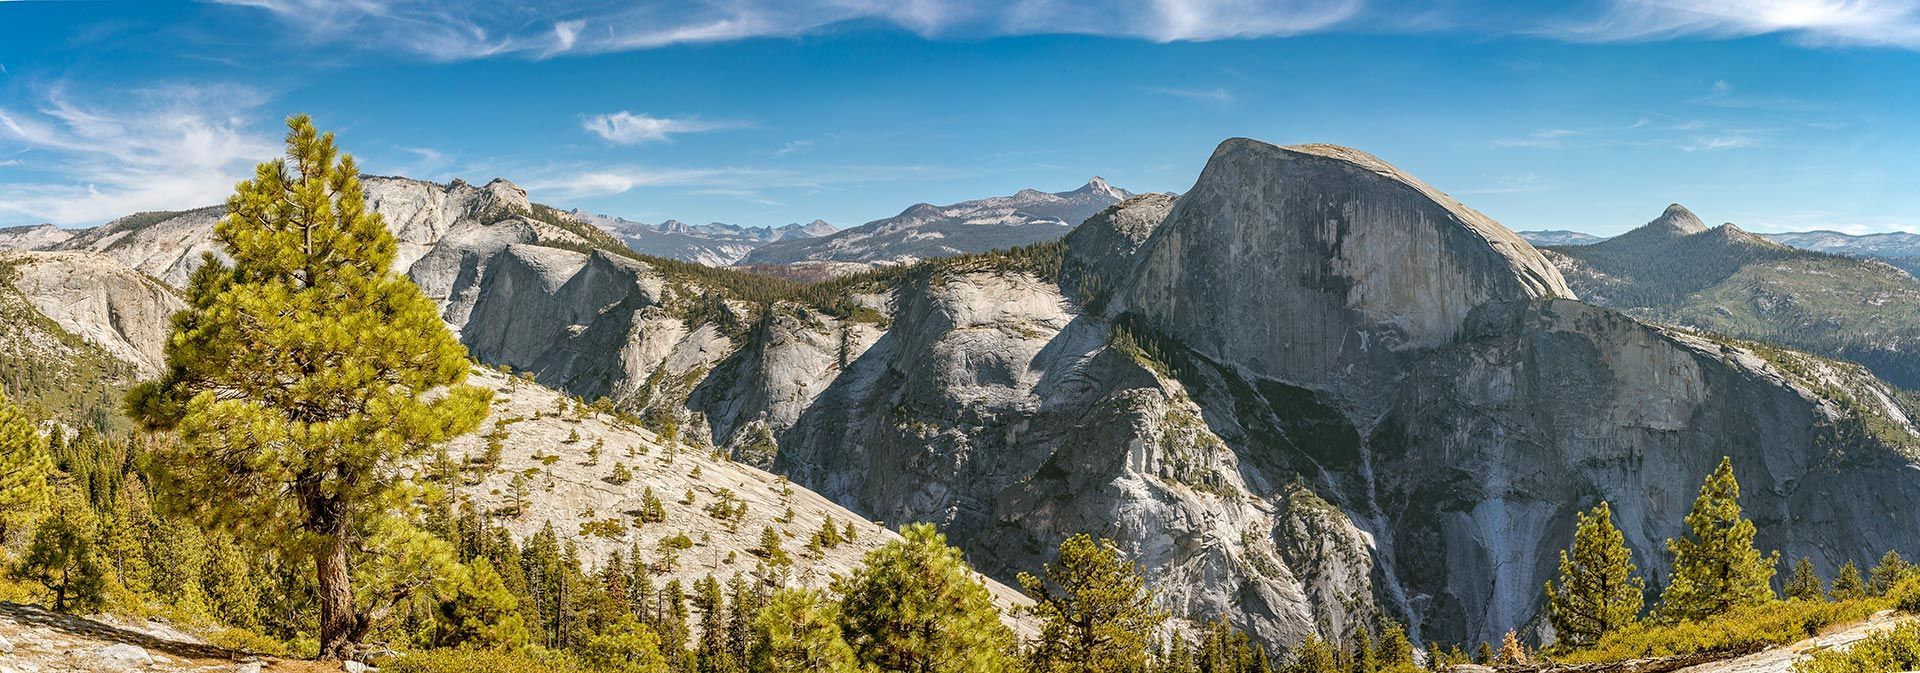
(336, 600)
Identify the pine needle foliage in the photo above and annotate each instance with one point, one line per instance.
(1716, 567)
(302, 376)
(1598, 591)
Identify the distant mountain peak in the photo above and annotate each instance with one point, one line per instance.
(1676, 219)
(1098, 185)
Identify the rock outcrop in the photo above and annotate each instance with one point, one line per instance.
(122, 311)
(32, 237)
(1318, 264)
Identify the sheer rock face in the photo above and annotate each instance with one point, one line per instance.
(1547, 407)
(122, 311)
(1301, 262)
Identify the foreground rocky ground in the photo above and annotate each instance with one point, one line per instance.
(35, 640)
(1771, 660)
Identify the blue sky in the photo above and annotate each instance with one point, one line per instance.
(1590, 115)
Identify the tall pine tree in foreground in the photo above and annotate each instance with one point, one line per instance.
(1715, 566)
(916, 606)
(303, 376)
(799, 632)
(1095, 610)
(25, 465)
(1598, 592)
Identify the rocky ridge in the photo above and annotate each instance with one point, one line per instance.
(926, 231)
(712, 244)
(1724, 279)
(32, 237)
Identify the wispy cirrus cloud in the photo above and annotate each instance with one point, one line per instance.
(750, 183)
(1215, 95)
(1883, 23)
(1684, 135)
(627, 128)
(452, 30)
(792, 146)
(158, 148)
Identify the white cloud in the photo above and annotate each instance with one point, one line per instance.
(1885, 23)
(566, 182)
(1722, 94)
(1687, 135)
(1214, 95)
(791, 147)
(626, 128)
(450, 30)
(163, 148)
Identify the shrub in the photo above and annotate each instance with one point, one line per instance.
(1905, 596)
(1742, 630)
(1885, 652)
(491, 661)
(242, 640)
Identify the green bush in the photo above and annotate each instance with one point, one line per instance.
(242, 640)
(491, 661)
(1743, 630)
(1905, 596)
(1885, 652)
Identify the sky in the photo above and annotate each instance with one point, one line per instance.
(1590, 115)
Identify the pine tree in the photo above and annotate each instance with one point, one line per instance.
(627, 646)
(744, 601)
(673, 626)
(517, 494)
(1598, 591)
(1512, 651)
(1313, 655)
(1715, 566)
(771, 549)
(229, 583)
(63, 557)
(1891, 570)
(1847, 584)
(1394, 651)
(1225, 649)
(1365, 660)
(715, 653)
(482, 613)
(25, 464)
(1096, 612)
(651, 510)
(915, 605)
(303, 376)
(1484, 654)
(799, 632)
(1804, 584)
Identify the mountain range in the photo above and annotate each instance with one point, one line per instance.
(1725, 280)
(925, 231)
(1899, 248)
(712, 244)
(1307, 393)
